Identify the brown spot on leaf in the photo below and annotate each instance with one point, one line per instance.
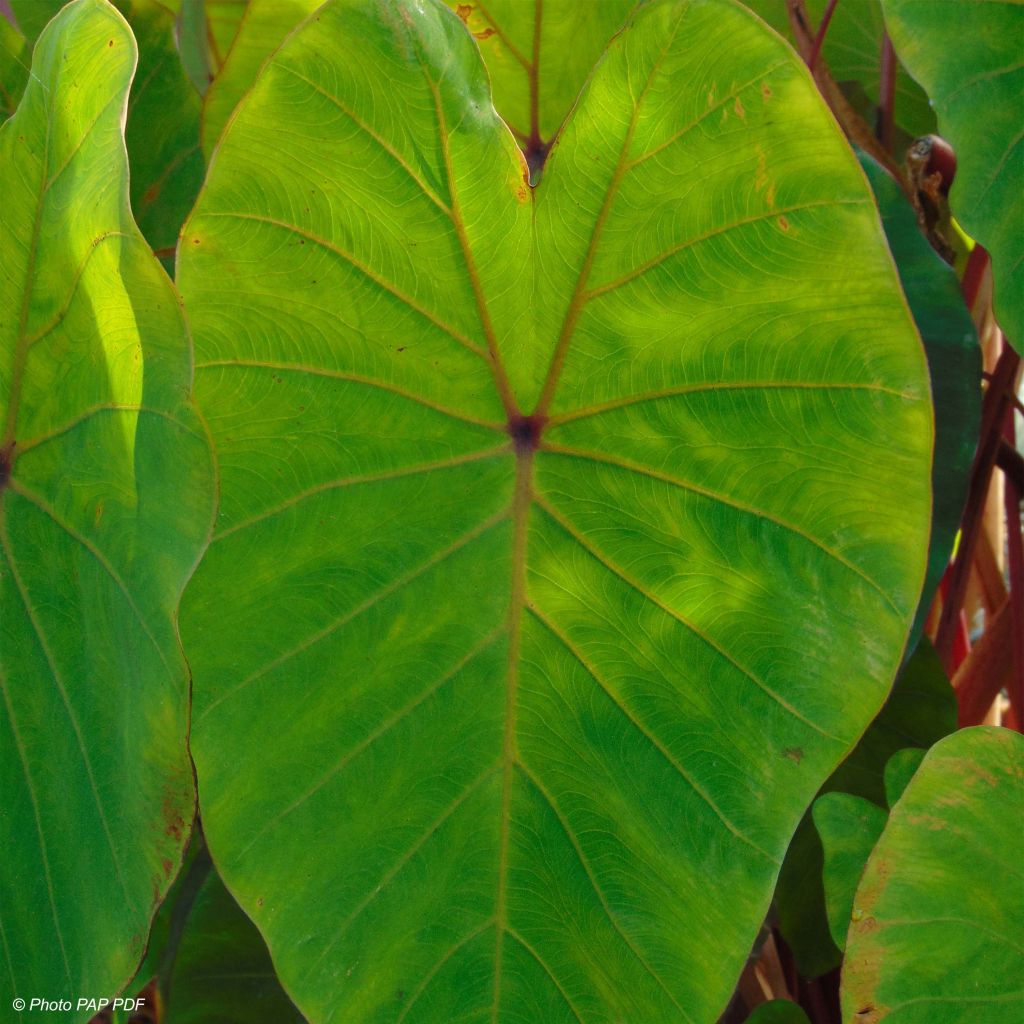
(738, 108)
(484, 33)
(110, 42)
(795, 754)
(783, 223)
(766, 92)
(464, 11)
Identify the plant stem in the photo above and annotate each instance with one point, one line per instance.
(819, 36)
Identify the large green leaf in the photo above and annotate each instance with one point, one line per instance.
(939, 913)
(480, 719)
(538, 55)
(920, 710)
(975, 80)
(106, 498)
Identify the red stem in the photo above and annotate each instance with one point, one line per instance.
(819, 36)
(997, 403)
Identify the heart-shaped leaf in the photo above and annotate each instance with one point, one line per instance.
(939, 913)
(548, 517)
(106, 496)
(975, 80)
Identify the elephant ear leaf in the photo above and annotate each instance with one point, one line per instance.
(939, 912)
(548, 515)
(106, 498)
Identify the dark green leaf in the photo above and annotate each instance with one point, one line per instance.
(849, 827)
(778, 1011)
(954, 365)
(920, 710)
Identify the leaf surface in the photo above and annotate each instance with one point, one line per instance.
(538, 55)
(939, 913)
(975, 80)
(260, 31)
(849, 827)
(544, 512)
(106, 496)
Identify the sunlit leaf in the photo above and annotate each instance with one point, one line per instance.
(480, 718)
(106, 498)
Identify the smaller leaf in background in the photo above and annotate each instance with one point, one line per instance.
(920, 710)
(939, 913)
(975, 79)
(33, 15)
(778, 1011)
(538, 56)
(899, 771)
(162, 133)
(265, 26)
(14, 67)
(852, 49)
(849, 827)
(954, 365)
(222, 971)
